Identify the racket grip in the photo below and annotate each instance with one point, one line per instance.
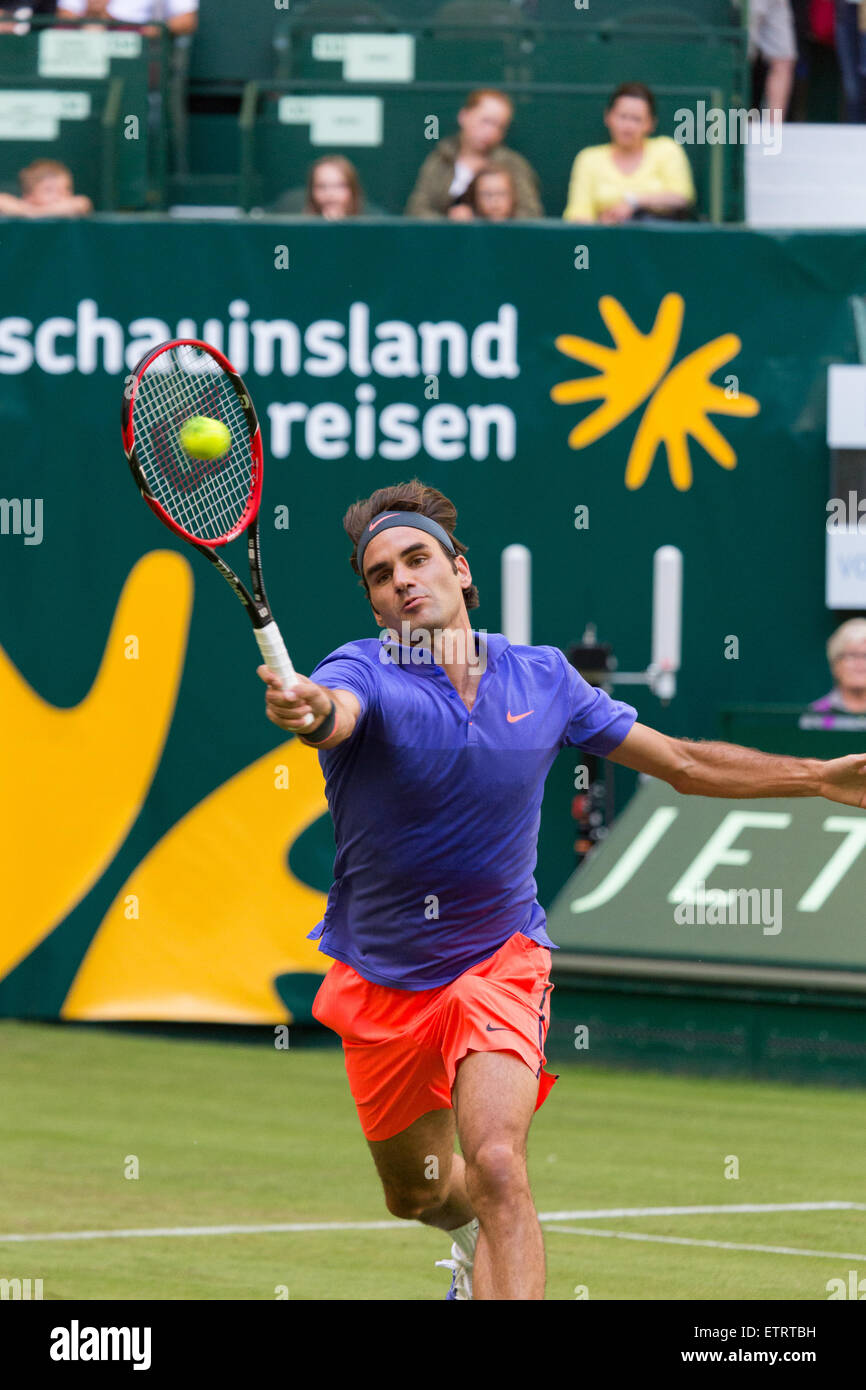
(274, 654)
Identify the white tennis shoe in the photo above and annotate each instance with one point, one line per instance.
(461, 1262)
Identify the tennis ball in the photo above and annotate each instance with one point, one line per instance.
(204, 438)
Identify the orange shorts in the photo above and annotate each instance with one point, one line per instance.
(402, 1047)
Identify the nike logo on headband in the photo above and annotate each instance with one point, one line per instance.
(381, 518)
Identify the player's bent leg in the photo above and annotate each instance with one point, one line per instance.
(494, 1099)
(423, 1178)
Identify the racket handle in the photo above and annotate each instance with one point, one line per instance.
(274, 654)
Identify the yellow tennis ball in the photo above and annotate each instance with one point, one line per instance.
(204, 438)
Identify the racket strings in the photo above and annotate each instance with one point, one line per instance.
(206, 497)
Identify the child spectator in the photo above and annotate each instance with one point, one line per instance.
(46, 191)
(491, 195)
(634, 176)
(333, 191)
(449, 169)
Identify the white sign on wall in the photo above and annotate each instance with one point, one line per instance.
(335, 120)
(36, 115)
(368, 57)
(68, 53)
(84, 53)
(846, 407)
(846, 568)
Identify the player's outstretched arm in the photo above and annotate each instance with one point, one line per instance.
(727, 769)
(289, 712)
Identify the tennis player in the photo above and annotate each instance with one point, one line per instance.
(435, 740)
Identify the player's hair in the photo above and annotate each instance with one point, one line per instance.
(413, 496)
(475, 98)
(41, 169)
(350, 174)
(633, 89)
(854, 630)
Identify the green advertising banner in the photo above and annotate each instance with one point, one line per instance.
(708, 881)
(590, 393)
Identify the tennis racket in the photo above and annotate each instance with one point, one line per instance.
(207, 501)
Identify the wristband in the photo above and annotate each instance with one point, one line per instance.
(325, 729)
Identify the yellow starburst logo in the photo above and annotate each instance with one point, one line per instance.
(634, 369)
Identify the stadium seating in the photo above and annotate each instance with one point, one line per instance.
(76, 124)
(286, 125)
(218, 56)
(491, 42)
(540, 49)
(471, 53)
(61, 99)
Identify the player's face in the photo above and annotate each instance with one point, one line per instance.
(629, 122)
(419, 588)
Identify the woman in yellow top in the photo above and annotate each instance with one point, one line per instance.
(633, 175)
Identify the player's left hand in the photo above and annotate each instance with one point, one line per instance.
(290, 711)
(844, 779)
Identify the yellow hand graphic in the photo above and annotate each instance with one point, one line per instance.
(627, 373)
(220, 915)
(72, 781)
(680, 408)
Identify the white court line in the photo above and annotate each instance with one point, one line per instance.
(713, 1244)
(702, 1211)
(287, 1226)
(290, 1227)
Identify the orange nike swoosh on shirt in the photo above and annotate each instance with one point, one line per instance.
(381, 518)
(513, 718)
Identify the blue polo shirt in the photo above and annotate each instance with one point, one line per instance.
(436, 808)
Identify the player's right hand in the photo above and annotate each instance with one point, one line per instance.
(289, 711)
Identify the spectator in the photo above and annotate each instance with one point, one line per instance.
(771, 34)
(636, 175)
(179, 16)
(846, 654)
(851, 52)
(449, 169)
(491, 195)
(46, 191)
(333, 191)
